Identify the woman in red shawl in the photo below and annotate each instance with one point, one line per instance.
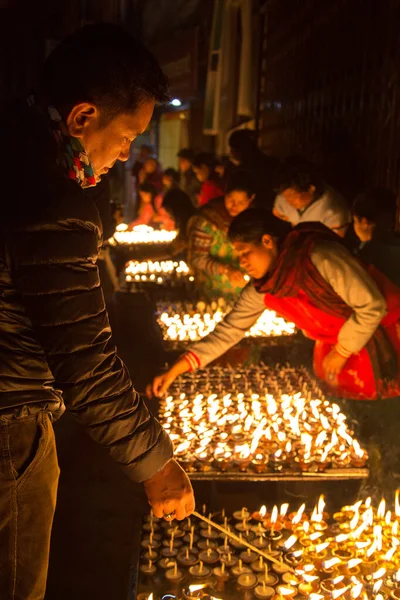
(310, 278)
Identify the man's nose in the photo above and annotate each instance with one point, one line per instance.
(124, 155)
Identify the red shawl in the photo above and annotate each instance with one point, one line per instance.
(294, 271)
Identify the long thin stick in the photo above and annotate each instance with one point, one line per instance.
(238, 539)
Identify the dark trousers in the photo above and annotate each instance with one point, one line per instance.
(28, 487)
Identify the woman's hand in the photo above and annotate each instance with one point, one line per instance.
(333, 364)
(236, 277)
(161, 383)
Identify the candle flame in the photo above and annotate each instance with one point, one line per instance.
(337, 579)
(397, 503)
(354, 562)
(290, 542)
(283, 510)
(321, 504)
(274, 514)
(342, 537)
(197, 587)
(379, 574)
(390, 553)
(381, 509)
(285, 591)
(263, 511)
(332, 562)
(340, 592)
(356, 590)
(299, 514)
(321, 547)
(377, 586)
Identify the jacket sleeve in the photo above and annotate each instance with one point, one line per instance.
(230, 331)
(200, 242)
(54, 270)
(356, 288)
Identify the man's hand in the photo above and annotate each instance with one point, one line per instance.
(170, 492)
(332, 364)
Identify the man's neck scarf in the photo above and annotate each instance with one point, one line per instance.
(72, 154)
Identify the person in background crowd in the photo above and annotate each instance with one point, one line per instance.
(145, 151)
(151, 173)
(224, 169)
(210, 252)
(150, 204)
(188, 180)
(211, 187)
(176, 211)
(304, 196)
(170, 179)
(245, 153)
(374, 214)
(310, 278)
(55, 335)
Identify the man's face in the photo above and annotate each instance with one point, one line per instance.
(363, 228)
(184, 164)
(237, 201)
(257, 259)
(106, 145)
(298, 199)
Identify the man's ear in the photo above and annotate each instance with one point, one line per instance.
(80, 117)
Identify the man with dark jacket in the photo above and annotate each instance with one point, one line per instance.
(97, 93)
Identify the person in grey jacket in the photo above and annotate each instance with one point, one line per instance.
(56, 348)
(310, 278)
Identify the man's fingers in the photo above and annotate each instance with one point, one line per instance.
(180, 511)
(190, 506)
(157, 509)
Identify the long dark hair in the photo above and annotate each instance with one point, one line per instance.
(250, 226)
(178, 204)
(150, 189)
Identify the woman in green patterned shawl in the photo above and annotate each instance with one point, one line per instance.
(210, 253)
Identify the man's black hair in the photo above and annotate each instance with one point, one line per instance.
(300, 177)
(373, 204)
(243, 181)
(250, 226)
(104, 65)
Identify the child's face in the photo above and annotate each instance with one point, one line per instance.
(363, 228)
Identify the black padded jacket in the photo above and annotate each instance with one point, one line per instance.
(55, 338)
